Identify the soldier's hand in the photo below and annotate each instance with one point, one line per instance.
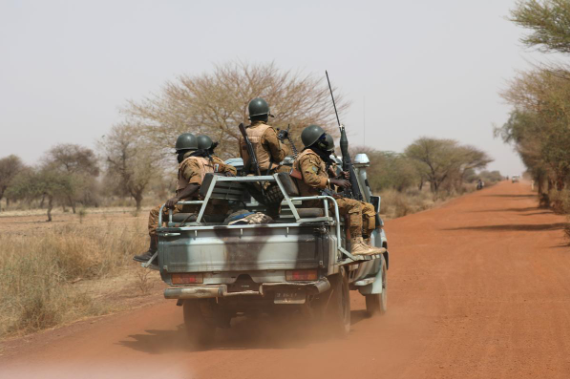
(342, 183)
(345, 174)
(171, 203)
(282, 135)
(230, 174)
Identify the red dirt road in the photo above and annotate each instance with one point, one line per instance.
(479, 288)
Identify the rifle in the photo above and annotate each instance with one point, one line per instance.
(250, 151)
(293, 148)
(354, 190)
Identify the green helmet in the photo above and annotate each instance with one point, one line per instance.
(258, 107)
(329, 143)
(311, 134)
(204, 142)
(186, 141)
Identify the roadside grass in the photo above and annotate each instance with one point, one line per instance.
(399, 204)
(40, 272)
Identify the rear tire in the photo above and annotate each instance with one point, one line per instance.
(200, 329)
(377, 304)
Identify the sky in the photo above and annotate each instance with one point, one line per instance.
(410, 68)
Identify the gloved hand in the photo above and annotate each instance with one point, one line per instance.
(282, 135)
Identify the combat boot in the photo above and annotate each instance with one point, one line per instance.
(149, 253)
(358, 247)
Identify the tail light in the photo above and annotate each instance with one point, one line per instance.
(187, 278)
(301, 275)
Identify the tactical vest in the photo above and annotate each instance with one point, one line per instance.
(205, 167)
(255, 135)
(304, 189)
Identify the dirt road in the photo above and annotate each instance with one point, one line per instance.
(479, 288)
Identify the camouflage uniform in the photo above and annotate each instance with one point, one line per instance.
(268, 149)
(368, 210)
(269, 152)
(192, 170)
(315, 178)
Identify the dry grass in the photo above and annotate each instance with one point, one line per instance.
(399, 204)
(39, 271)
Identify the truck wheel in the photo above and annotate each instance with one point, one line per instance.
(200, 331)
(338, 309)
(377, 304)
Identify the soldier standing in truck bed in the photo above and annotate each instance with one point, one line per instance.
(269, 150)
(311, 163)
(196, 159)
(267, 142)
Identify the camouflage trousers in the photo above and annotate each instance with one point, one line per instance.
(368, 218)
(350, 208)
(211, 208)
(361, 215)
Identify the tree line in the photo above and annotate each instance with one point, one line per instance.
(539, 122)
(135, 157)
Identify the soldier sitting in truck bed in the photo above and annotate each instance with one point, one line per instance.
(196, 159)
(311, 164)
(334, 171)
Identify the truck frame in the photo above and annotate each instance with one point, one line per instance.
(300, 262)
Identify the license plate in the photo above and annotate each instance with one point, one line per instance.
(290, 297)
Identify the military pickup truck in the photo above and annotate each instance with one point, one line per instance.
(300, 261)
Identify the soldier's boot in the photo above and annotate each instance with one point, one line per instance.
(144, 257)
(358, 247)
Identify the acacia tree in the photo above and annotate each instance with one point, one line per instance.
(549, 22)
(10, 166)
(39, 183)
(129, 157)
(538, 126)
(215, 103)
(441, 160)
(79, 164)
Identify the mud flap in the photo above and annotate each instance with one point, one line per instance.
(375, 287)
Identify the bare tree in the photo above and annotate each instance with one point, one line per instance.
(129, 157)
(216, 103)
(9, 168)
(80, 164)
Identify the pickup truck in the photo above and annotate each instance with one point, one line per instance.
(299, 261)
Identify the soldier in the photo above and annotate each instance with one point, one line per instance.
(195, 161)
(311, 163)
(267, 142)
(368, 210)
(269, 150)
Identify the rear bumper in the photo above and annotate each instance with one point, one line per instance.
(221, 290)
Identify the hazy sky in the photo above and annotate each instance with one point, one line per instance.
(424, 68)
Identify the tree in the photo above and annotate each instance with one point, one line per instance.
(35, 183)
(441, 160)
(538, 126)
(549, 21)
(9, 168)
(79, 164)
(129, 157)
(389, 170)
(216, 103)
